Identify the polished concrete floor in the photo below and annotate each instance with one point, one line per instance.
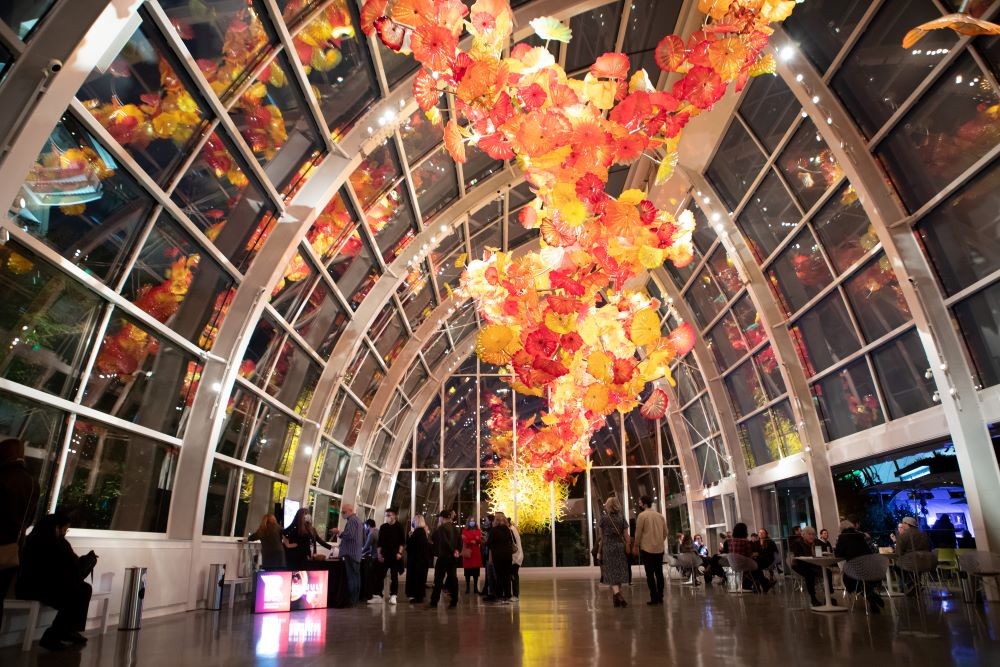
(558, 621)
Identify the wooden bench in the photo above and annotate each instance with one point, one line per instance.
(34, 609)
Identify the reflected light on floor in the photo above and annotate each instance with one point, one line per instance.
(289, 634)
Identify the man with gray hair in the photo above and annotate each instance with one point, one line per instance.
(804, 547)
(910, 539)
(351, 538)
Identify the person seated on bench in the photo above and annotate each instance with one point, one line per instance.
(54, 575)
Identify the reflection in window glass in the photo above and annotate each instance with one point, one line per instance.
(878, 75)
(705, 297)
(768, 217)
(331, 233)
(420, 135)
(491, 238)
(735, 165)
(979, 320)
(605, 444)
(770, 373)
(748, 318)
(962, 236)
(824, 335)
(726, 275)
(428, 440)
(78, 201)
(745, 391)
(293, 10)
(594, 33)
(397, 66)
(354, 271)
(266, 340)
(292, 289)
(364, 374)
(348, 420)
(387, 333)
(901, 367)
(435, 183)
(877, 300)
(416, 295)
(769, 108)
(689, 382)
(808, 165)
(953, 126)
(337, 67)
(272, 114)
(847, 402)
(226, 39)
(176, 283)
(142, 378)
(477, 166)
(237, 497)
(322, 319)
(294, 377)
(709, 464)
(427, 492)
(460, 492)
(46, 322)
(375, 173)
(143, 103)
(822, 28)
(326, 512)
(681, 275)
(760, 442)
(391, 223)
(40, 429)
(799, 273)
(703, 236)
(727, 344)
(640, 438)
(434, 351)
(844, 229)
(115, 480)
(23, 16)
(460, 422)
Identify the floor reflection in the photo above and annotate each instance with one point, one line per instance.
(558, 621)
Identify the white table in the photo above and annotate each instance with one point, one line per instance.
(890, 589)
(827, 563)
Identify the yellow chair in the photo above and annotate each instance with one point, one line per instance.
(947, 563)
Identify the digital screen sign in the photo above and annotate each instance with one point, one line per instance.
(294, 635)
(291, 591)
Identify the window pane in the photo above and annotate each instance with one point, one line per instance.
(703, 236)
(696, 421)
(348, 420)
(427, 486)
(962, 236)
(387, 333)
(705, 297)
(115, 480)
(768, 217)
(365, 374)
(331, 233)
(769, 108)
(847, 402)
(391, 222)
(877, 299)
(745, 391)
(689, 381)
(326, 512)
(844, 229)
(270, 113)
(294, 377)
(419, 136)
(901, 366)
(23, 16)
(605, 444)
(822, 28)
(262, 351)
(429, 436)
(748, 319)
(416, 295)
(726, 275)
(604, 484)
(79, 201)
(176, 283)
(640, 438)
(594, 33)
(799, 273)
(727, 344)
(337, 67)
(292, 10)
(709, 465)
(142, 378)
(770, 373)
(784, 422)
(46, 322)
(226, 39)
(40, 429)
(321, 320)
(824, 335)
(145, 106)
(878, 75)
(760, 442)
(735, 165)
(948, 131)
(979, 319)
(354, 270)
(460, 494)
(808, 165)
(375, 174)
(435, 183)
(477, 166)
(331, 468)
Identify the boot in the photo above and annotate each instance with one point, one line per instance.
(620, 600)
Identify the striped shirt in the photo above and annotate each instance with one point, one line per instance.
(352, 538)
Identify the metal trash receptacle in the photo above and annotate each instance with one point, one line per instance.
(133, 593)
(216, 579)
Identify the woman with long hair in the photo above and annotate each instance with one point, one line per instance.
(501, 544)
(418, 560)
(300, 540)
(272, 551)
(613, 545)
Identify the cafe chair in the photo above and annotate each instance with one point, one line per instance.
(795, 576)
(673, 564)
(741, 565)
(947, 566)
(689, 562)
(977, 566)
(919, 565)
(869, 569)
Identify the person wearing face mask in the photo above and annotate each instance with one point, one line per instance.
(391, 541)
(472, 555)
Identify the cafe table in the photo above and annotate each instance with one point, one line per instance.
(890, 588)
(827, 563)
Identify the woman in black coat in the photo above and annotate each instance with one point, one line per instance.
(54, 575)
(300, 540)
(501, 544)
(418, 560)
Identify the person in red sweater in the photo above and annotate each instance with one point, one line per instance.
(472, 555)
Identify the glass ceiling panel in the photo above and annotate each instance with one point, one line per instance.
(477, 166)
(491, 238)
(292, 290)
(396, 65)
(768, 217)
(449, 273)
(825, 335)
(293, 377)
(364, 375)
(391, 222)
(386, 331)
(321, 320)
(416, 295)
(594, 33)
(333, 228)
(23, 16)
(435, 183)
(808, 165)
(735, 165)
(769, 108)
(705, 297)
(876, 298)
(799, 273)
(822, 28)
(415, 378)
(844, 229)
(375, 173)
(419, 136)
(93, 223)
(517, 235)
(354, 270)
(128, 99)
(726, 275)
(227, 39)
(262, 350)
(485, 216)
(292, 10)
(435, 350)
(338, 69)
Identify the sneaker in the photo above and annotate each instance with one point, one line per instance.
(392, 599)
(514, 598)
(376, 600)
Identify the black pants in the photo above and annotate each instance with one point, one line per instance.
(503, 567)
(515, 579)
(653, 564)
(445, 575)
(393, 571)
(71, 606)
(811, 574)
(471, 580)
